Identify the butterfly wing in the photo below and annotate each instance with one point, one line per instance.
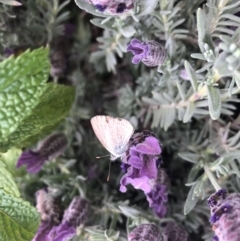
(113, 133)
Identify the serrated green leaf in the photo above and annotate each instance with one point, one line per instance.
(191, 201)
(21, 84)
(6, 182)
(189, 112)
(214, 101)
(192, 75)
(19, 221)
(55, 104)
(10, 160)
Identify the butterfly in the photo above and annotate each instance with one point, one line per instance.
(113, 133)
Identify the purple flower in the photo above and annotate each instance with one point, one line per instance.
(46, 206)
(113, 7)
(145, 232)
(77, 212)
(157, 199)
(216, 197)
(74, 215)
(150, 52)
(225, 214)
(100, 7)
(141, 156)
(52, 147)
(158, 196)
(174, 232)
(43, 232)
(62, 232)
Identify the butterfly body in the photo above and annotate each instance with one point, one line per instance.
(113, 133)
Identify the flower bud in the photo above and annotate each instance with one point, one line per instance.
(145, 232)
(77, 212)
(174, 232)
(150, 52)
(52, 147)
(225, 213)
(46, 206)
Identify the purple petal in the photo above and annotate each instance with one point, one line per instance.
(149, 168)
(135, 162)
(33, 160)
(43, 231)
(136, 59)
(157, 199)
(149, 146)
(139, 182)
(62, 232)
(134, 43)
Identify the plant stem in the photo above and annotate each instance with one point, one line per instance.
(211, 178)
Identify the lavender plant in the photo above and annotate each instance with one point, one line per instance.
(170, 69)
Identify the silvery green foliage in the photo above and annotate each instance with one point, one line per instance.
(193, 96)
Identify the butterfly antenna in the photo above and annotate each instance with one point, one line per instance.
(109, 169)
(98, 157)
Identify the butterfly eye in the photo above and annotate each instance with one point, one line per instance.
(121, 7)
(100, 7)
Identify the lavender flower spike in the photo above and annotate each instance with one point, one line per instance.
(75, 215)
(225, 215)
(145, 232)
(140, 161)
(150, 52)
(52, 147)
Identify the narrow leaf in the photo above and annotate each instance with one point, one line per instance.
(214, 101)
(192, 75)
(189, 112)
(191, 201)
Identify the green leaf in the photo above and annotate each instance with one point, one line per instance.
(55, 104)
(128, 31)
(6, 182)
(204, 32)
(189, 112)
(11, 2)
(10, 159)
(109, 25)
(84, 5)
(192, 75)
(190, 157)
(19, 220)
(22, 82)
(221, 66)
(214, 101)
(236, 77)
(147, 7)
(191, 201)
